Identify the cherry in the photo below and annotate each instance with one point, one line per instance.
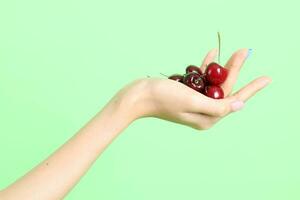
(207, 82)
(176, 77)
(194, 81)
(215, 92)
(216, 74)
(203, 76)
(193, 68)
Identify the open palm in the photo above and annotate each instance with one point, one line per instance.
(174, 101)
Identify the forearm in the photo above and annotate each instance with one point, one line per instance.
(55, 177)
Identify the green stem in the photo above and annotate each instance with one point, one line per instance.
(164, 75)
(219, 48)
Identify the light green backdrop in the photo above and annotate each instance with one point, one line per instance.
(62, 60)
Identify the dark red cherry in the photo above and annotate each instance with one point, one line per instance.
(194, 81)
(215, 92)
(193, 68)
(203, 76)
(176, 77)
(216, 74)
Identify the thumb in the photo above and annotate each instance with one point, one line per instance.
(222, 107)
(219, 107)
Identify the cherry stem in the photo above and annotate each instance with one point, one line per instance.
(164, 75)
(219, 48)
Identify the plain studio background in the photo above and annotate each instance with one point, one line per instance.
(61, 61)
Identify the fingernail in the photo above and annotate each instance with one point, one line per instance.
(237, 105)
(250, 51)
(267, 82)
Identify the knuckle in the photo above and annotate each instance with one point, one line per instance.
(198, 128)
(203, 126)
(207, 126)
(222, 111)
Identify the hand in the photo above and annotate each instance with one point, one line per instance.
(162, 98)
(173, 101)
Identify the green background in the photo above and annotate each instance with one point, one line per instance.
(62, 60)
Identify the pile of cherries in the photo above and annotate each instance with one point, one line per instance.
(207, 82)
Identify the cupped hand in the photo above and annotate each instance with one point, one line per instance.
(174, 101)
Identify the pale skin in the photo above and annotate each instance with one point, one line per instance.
(53, 178)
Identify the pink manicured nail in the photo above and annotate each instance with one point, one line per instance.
(237, 105)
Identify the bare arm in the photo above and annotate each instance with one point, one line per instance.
(161, 98)
(55, 176)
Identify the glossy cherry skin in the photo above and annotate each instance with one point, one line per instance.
(216, 74)
(215, 92)
(193, 68)
(203, 76)
(176, 77)
(194, 81)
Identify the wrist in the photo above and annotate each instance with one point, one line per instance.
(133, 101)
(129, 104)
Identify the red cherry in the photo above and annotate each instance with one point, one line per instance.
(215, 92)
(176, 77)
(216, 74)
(203, 76)
(194, 81)
(193, 68)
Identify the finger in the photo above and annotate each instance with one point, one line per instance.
(198, 121)
(236, 101)
(252, 88)
(208, 106)
(222, 107)
(234, 65)
(210, 57)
